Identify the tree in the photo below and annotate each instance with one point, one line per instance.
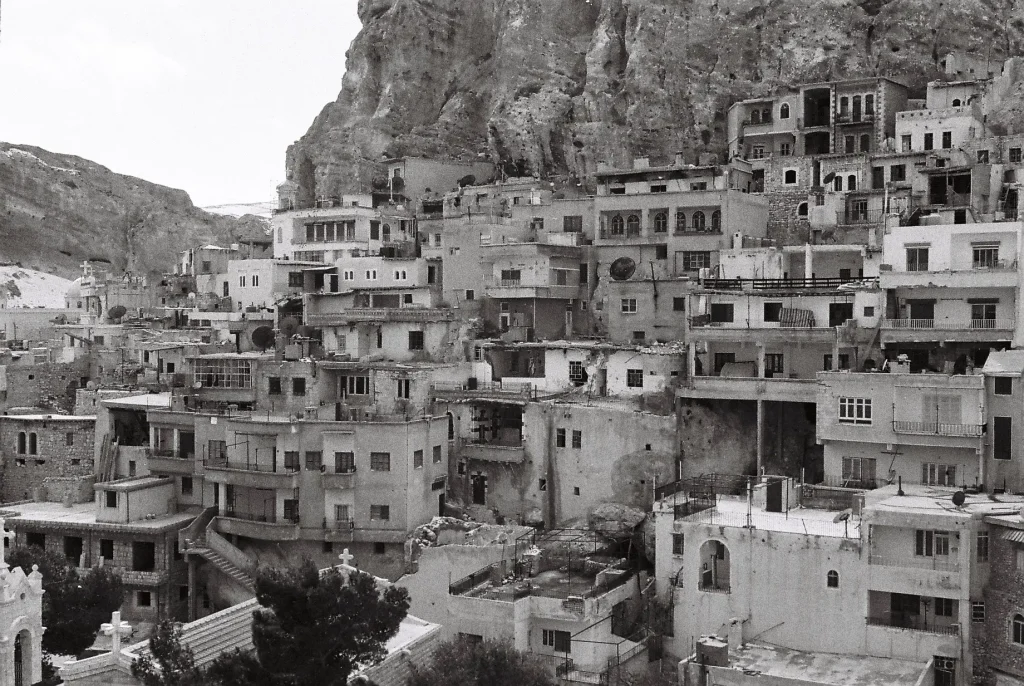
(314, 629)
(169, 663)
(75, 603)
(481, 663)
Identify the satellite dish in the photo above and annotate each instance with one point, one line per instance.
(117, 311)
(828, 178)
(843, 516)
(289, 326)
(262, 337)
(959, 498)
(622, 268)
(191, 296)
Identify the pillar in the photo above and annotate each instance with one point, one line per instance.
(808, 261)
(691, 360)
(760, 436)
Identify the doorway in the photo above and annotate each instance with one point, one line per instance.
(478, 482)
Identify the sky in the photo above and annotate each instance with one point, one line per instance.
(203, 95)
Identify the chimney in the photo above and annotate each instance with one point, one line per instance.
(735, 634)
(680, 161)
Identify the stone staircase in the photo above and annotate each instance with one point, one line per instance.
(223, 564)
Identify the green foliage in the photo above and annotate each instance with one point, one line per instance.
(169, 663)
(76, 601)
(482, 663)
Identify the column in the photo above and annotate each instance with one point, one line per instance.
(691, 360)
(191, 588)
(808, 261)
(760, 436)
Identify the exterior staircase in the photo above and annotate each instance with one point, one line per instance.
(200, 538)
(223, 564)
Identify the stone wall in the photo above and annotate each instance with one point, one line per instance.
(49, 385)
(64, 448)
(1004, 597)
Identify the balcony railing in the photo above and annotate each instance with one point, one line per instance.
(510, 283)
(913, 623)
(938, 563)
(719, 587)
(938, 429)
(850, 118)
(783, 284)
(171, 453)
(217, 462)
(266, 518)
(855, 216)
(948, 324)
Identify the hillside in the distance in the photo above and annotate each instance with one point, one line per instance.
(20, 287)
(557, 86)
(58, 210)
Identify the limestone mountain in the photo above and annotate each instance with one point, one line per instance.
(556, 86)
(58, 210)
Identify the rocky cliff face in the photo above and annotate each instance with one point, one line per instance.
(556, 86)
(58, 210)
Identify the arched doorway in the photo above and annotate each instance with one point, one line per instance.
(714, 567)
(23, 658)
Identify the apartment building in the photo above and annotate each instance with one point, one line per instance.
(1001, 461)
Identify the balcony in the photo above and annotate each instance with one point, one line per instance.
(491, 390)
(265, 528)
(938, 563)
(380, 314)
(749, 388)
(627, 236)
(489, 452)
(720, 587)
(909, 622)
(850, 118)
(511, 289)
(166, 461)
(999, 274)
(954, 330)
(938, 429)
(251, 475)
(784, 284)
(341, 531)
(339, 480)
(860, 216)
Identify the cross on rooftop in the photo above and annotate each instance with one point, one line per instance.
(346, 557)
(115, 629)
(4, 536)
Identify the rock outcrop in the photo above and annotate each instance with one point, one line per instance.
(58, 210)
(554, 87)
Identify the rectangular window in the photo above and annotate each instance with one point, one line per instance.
(291, 460)
(937, 474)
(854, 410)
(186, 485)
(572, 224)
(658, 188)
(415, 340)
(983, 157)
(437, 454)
(380, 513)
(785, 149)
(678, 304)
(661, 252)
(878, 177)
(111, 498)
(295, 279)
(344, 462)
(982, 546)
(859, 472)
(380, 462)
(693, 260)
(299, 385)
(722, 359)
(947, 140)
(576, 374)
(772, 312)
(721, 313)
(634, 378)
(342, 514)
(1015, 155)
(417, 459)
(314, 458)
(628, 305)
(898, 172)
(929, 141)
(978, 611)
(107, 548)
(274, 385)
(561, 641)
(757, 152)
(985, 256)
(470, 294)
(944, 607)
(143, 599)
(1003, 385)
(1002, 430)
(677, 544)
(403, 388)
(905, 143)
(850, 144)
(559, 438)
(354, 385)
(774, 365)
(917, 259)
(577, 439)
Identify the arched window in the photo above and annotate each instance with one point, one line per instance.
(838, 183)
(32, 444)
(851, 182)
(956, 102)
(869, 104)
(716, 221)
(832, 578)
(617, 225)
(714, 567)
(1017, 626)
(755, 117)
(633, 225)
(784, 111)
(680, 221)
(660, 222)
(801, 209)
(790, 176)
(21, 443)
(699, 221)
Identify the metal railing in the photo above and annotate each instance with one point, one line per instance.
(913, 623)
(267, 518)
(855, 216)
(860, 483)
(249, 465)
(777, 284)
(340, 525)
(171, 453)
(937, 428)
(719, 587)
(938, 563)
(510, 283)
(948, 324)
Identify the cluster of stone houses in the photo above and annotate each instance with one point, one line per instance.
(830, 313)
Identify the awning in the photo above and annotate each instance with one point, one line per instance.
(320, 269)
(1015, 535)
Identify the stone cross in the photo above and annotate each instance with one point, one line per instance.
(346, 557)
(115, 629)
(4, 537)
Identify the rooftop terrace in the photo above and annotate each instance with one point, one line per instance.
(824, 668)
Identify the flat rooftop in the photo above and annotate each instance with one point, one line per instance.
(734, 511)
(921, 499)
(84, 515)
(825, 668)
(139, 402)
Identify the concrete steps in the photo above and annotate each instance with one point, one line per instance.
(225, 566)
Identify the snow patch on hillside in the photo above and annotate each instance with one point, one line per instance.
(16, 152)
(20, 287)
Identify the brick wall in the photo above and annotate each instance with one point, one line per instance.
(49, 385)
(1004, 597)
(54, 457)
